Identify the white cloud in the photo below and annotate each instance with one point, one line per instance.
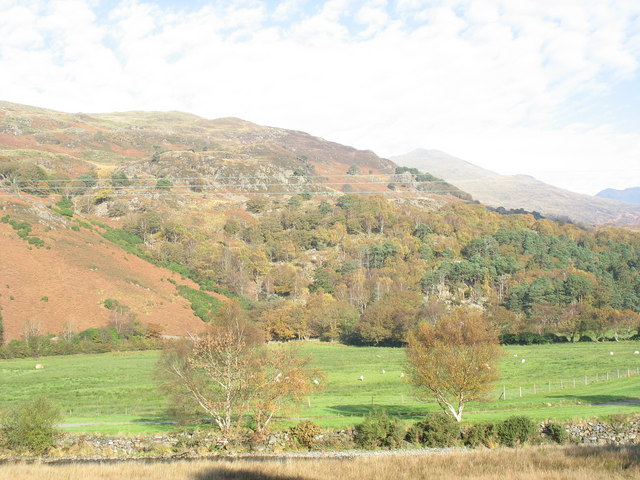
(488, 80)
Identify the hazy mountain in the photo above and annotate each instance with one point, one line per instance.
(629, 195)
(521, 191)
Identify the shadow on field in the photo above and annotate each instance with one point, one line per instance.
(599, 399)
(394, 410)
(221, 473)
(627, 455)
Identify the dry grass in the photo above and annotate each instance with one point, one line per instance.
(548, 463)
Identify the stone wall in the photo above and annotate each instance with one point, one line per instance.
(190, 444)
(605, 433)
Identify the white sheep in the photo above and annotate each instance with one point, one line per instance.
(523, 360)
(361, 378)
(384, 371)
(515, 354)
(316, 382)
(401, 374)
(610, 353)
(636, 352)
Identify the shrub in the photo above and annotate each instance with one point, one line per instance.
(164, 184)
(31, 426)
(435, 431)
(557, 432)
(65, 207)
(480, 435)
(379, 430)
(111, 304)
(515, 430)
(203, 305)
(305, 433)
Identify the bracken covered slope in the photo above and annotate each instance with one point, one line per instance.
(63, 282)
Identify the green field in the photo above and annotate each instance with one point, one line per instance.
(119, 387)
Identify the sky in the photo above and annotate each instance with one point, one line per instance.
(548, 88)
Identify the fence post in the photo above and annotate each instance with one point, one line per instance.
(585, 380)
(504, 393)
(520, 391)
(534, 388)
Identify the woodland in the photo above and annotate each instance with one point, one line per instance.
(364, 270)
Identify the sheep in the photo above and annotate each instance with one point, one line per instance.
(384, 371)
(515, 354)
(523, 360)
(401, 374)
(361, 378)
(39, 366)
(636, 352)
(316, 382)
(610, 353)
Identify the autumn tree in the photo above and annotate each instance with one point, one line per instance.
(327, 318)
(387, 321)
(284, 321)
(283, 381)
(454, 361)
(228, 373)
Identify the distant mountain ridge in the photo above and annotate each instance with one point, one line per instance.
(521, 191)
(629, 195)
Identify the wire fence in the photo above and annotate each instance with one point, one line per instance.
(555, 385)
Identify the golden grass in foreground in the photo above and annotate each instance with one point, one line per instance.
(548, 463)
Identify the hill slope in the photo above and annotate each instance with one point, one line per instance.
(216, 157)
(112, 166)
(629, 195)
(63, 284)
(521, 191)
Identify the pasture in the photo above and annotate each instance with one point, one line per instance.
(116, 389)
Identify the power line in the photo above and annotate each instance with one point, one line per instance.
(397, 177)
(216, 194)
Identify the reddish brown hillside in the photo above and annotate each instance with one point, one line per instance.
(65, 282)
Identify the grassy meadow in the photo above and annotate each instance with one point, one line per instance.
(119, 388)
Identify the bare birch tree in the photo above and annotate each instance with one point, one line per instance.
(229, 374)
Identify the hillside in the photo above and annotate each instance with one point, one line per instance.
(522, 191)
(315, 239)
(62, 281)
(163, 176)
(43, 152)
(629, 195)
